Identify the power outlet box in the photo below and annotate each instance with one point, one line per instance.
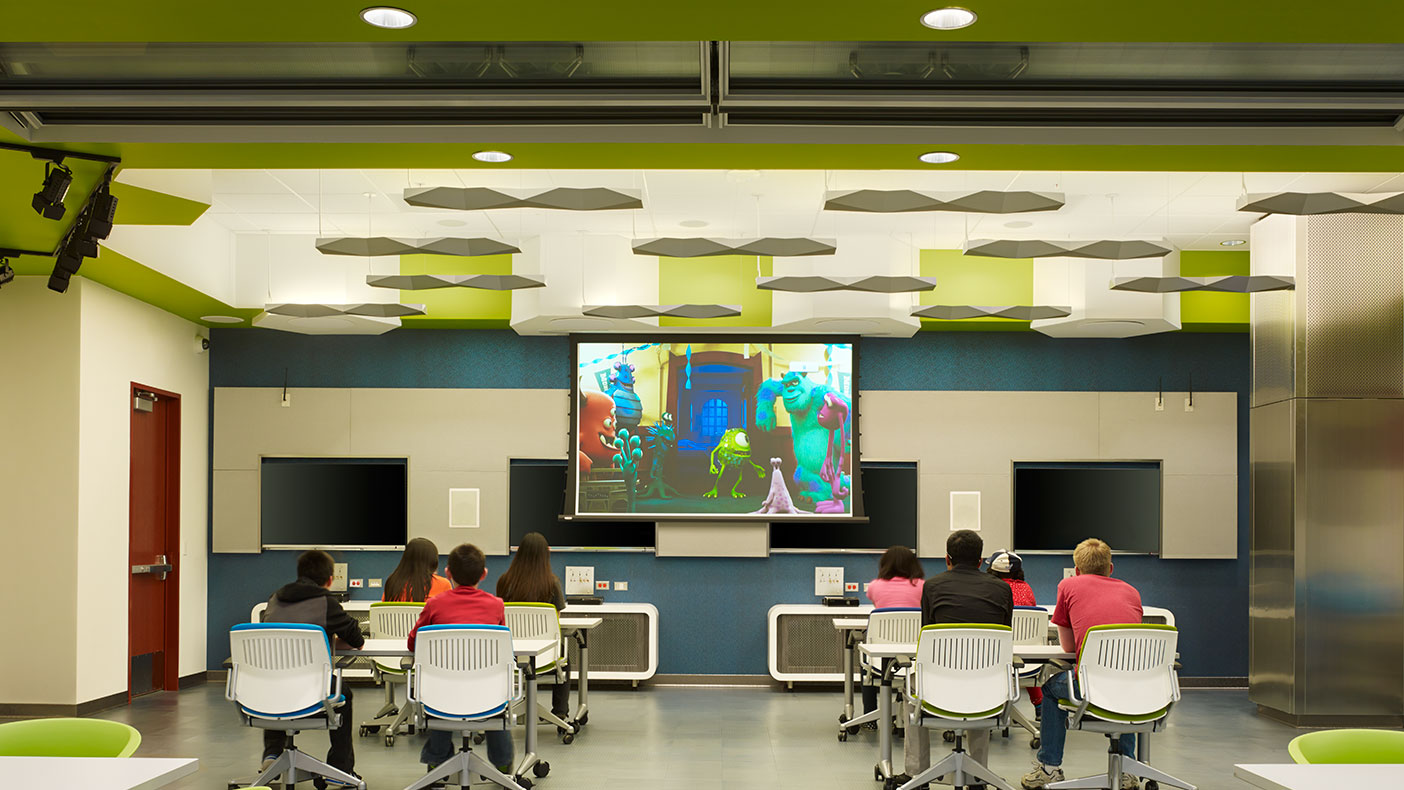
(580, 580)
(828, 581)
(602, 585)
(1068, 573)
(849, 587)
(338, 577)
(358, 583)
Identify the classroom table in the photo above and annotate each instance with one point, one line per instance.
(852, 629)
(579, 628)
(524, 650)
(93, 773)
(1290, 776)
(883, 770)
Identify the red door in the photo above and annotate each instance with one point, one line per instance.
(155, 541)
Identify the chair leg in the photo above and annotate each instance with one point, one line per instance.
(959, 768)
(1022, 720)
(461, 768)
(1140, 769)
(293, 766)
(1096, 782)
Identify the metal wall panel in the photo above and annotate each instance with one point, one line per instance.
(1350, 558)
(1272, 582)
(1272, 314)
(1353, 331)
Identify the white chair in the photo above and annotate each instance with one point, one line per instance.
(281, 677)
(542, 621)
(891, 625)
(962, 679)
(1030, 627)
(1126, 683)
(464, 679)
(390, 620)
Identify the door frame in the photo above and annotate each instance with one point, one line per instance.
(170, 647)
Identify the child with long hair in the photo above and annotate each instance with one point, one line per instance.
(415, 578)
(529, 579)
(898, 584)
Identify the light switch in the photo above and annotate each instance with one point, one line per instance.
(621, 586)
(373, 583)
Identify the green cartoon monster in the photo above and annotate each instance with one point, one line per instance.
(734, 449)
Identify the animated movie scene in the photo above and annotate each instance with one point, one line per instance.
(714, 429)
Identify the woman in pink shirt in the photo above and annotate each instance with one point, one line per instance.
(898, 585)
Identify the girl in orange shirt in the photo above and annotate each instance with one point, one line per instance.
(414, 578)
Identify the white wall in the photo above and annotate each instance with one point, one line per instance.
(125, 341)
(38, 490)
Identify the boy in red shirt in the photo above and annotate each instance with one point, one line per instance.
(1091, 597)
(465, 604)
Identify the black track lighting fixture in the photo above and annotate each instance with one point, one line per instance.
(6, 272)
(48, 201)
(102, 210)
(66, 264)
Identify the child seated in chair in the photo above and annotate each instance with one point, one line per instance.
(465, 604)
(309, 601)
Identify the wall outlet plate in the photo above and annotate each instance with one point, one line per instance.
(358, 582)
(338, 577)
(849, 587)
(1068, 573)
(828, 581)
(601, 585)
(580, 580)
(373, 583)
(618, 586)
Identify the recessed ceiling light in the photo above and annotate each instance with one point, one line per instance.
(221, 319)
(1018, 223)
(492, 156)
(951, 18)
(694, 223)
(1233, 243)
(452, 223)
(938, 157)
(388, 18)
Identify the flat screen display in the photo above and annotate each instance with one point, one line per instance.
(1058, 505)
(714, 428)
(333, 502)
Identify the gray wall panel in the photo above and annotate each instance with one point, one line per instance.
(1272, 576)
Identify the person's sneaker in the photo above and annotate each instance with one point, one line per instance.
(324, 782)
(1041, 776)
(268, 760)
(1129, 782)
(870, 725)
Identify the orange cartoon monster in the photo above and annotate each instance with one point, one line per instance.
(595, 444)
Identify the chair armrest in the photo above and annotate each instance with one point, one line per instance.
(518, 687)
(1018, 662)
(229, 682)
(1060, 665)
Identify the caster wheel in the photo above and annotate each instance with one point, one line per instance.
(843, 736)
(541, 769)
(877, 774)
(583, 720)
(409, 729)
(1006, 732)
(364, 732)
(1035, 742)
(851, 730)
(523, 781)
(568, 738)
(843, 718)
(1151, 784)
(948, 736)
(478, 739)
(890, 784)
(390, 740)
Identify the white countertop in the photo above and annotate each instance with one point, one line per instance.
(93, 773)
(1290, 776)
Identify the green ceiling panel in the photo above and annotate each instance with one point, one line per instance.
(458, 304)
(1203, 311)
(138, 206)
(723, 279)
(741, 20)
(977, 280)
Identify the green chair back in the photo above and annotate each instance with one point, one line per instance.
(68, 738)
(1348, 746)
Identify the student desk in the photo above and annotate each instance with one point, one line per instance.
(579, 628)
(1288, 776)
(524, 650)
(93, 773)
(883, 770)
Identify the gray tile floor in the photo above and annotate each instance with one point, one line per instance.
(687, 737)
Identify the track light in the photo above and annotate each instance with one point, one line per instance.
(6, 273)
(66, 264)
(102, 210)
(48, 201)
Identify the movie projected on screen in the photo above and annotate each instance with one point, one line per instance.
(721, 428)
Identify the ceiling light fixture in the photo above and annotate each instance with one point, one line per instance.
(221, 319)
(48, 201)
(949, 18)
(495, 157)
(1233, 243)
(938, 157)
(6, 272)
(388, 17)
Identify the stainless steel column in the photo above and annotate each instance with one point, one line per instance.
(1327, 466)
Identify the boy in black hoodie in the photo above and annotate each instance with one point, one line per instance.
(307, 601)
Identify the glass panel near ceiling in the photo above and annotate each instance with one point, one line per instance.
(344, 65)
(760, 64)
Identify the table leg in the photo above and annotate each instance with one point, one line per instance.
(582, 638)
(884, 766)
(529, 758)
(847, 676)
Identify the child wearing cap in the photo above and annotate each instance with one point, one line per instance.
(1009, 566)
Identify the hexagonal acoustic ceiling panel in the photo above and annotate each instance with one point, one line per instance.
(370, 310)
(1306, 203)
(706, 247)
(985, 201)
(1234, 284)
(561, 198)
(374, 246)
(869, 283)
(1101, 249)
(958, 312)
(656, 310)
(427, 282)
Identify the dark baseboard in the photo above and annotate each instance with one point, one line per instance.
(37, 710)
(103, 703)
(216, 675)
(199, 678)
(1214, 683)
(1332, 720)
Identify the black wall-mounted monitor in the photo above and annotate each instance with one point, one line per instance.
(1058, 505)
(341, 503)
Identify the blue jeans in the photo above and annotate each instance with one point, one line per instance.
(1054, 729)
(439, 746)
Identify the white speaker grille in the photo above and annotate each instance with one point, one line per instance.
(463, 508)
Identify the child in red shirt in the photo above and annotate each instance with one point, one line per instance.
(1009, 566)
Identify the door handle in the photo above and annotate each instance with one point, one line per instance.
(159, 569)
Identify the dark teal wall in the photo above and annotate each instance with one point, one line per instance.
(713, 611)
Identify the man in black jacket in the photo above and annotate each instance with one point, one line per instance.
(963, 594)
(308, 600)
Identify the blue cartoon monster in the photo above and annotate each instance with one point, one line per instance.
(628, 409)
(804, 399)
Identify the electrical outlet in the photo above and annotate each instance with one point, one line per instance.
(828, 581)
(620, 586)
(601, 585)
(866, 585)
(355, 583)
(373, 583)
(579, 579)
(849, 587)
(1068, 573)
(338, 577)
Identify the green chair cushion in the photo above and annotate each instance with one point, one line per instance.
(1106, 715)
(68, 738)
(1348, 746)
